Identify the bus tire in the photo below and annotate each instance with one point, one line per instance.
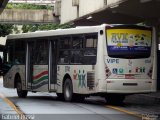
(68, 90)
(21, 93)
(115, 99)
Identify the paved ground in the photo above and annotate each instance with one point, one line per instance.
(46, 106)
(5, 108)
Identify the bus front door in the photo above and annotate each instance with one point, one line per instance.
(53, 65)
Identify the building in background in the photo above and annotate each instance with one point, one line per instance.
(93, 12)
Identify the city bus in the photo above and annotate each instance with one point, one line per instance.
(111, 61)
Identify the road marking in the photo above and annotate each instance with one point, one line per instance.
(124, 111)
(11, 104)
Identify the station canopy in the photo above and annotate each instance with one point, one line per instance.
(124, 12)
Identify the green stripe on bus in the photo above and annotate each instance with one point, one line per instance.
(39, 80)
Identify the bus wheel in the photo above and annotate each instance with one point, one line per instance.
(115, 99)
(21, 93)
(68, 90)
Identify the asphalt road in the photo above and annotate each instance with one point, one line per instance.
(46, 106)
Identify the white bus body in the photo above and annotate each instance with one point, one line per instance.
(106, 60)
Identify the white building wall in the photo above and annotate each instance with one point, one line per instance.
(68, 12)
(88, 6)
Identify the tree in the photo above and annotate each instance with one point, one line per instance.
(6, 29)
(41, 27)
(28, 6)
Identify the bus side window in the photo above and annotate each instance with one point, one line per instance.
(91, 41)
(9, 53)
(76, 56)
(90, 49)
(64, 46)
(19, 56)
(40, 56)
(65, 43)
(63, 56)
(77, 52)
(77, 42)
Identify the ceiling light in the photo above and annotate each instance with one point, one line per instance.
(144, 1)
(90, 17)
(114, 6)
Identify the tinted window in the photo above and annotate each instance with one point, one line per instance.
(77, 56)
(91, 41)
(9, 52)
(65, 42)
(20, 52)
(63, 56)
(40, 55)
(78, 49)
(77, 42)
(90, 51)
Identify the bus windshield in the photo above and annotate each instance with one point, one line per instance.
(129, 42)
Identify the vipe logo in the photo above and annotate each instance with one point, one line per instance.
(111, 61)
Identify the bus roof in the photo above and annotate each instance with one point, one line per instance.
(58, 32)
(71, 31)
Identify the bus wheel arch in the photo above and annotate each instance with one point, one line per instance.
(18, 85)
(67, 88)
